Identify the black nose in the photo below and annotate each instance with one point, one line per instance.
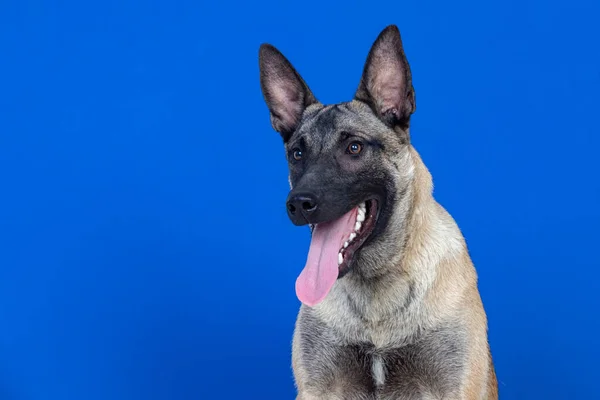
(301, 208)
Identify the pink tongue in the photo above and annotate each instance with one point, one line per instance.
(321, 270)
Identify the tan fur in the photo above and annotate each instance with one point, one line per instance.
(454, 291)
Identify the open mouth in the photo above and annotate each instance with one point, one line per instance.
(366, 217)
(332, 248)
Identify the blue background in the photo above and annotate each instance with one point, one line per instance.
(145, 252)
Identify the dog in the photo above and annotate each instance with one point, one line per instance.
(390, 306)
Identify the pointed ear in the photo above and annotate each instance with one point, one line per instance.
(386, 84)
(284, 90)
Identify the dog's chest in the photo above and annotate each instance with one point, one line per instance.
(431, 366)
(381, 322)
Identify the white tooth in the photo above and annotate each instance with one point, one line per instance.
(360, 217)
(340, 259)
(357, 226)
(346, 244)
(352, 236)
(362, 207)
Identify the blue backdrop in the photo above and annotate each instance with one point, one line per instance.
(145, 252)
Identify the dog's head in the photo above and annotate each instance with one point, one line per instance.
(349, 163)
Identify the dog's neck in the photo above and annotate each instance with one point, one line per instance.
(423, 236)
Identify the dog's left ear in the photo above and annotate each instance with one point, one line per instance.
(284, 90)
(386, 84)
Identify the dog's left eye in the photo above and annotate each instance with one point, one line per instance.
(297, 154)
(354, 148)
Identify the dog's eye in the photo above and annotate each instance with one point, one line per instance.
(355, 148)
(297, 154)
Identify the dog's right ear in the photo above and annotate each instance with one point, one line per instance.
(284, 90)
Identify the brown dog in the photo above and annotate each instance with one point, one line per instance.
(391, 308)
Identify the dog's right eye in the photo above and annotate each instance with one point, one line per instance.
(297, 154)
